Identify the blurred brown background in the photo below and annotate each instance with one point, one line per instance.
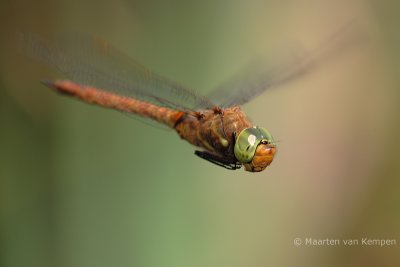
(85, 186)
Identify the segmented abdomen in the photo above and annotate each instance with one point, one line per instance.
(97, 96)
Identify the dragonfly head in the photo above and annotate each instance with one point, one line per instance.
(255, 148)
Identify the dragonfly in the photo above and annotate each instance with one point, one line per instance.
(100, 74)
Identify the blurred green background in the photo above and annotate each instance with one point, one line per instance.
(85, 186)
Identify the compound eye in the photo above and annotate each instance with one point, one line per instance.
(245, 146)
(248, 140)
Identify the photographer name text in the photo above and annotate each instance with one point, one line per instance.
(365, 241)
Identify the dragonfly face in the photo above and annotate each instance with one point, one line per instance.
(255, 148)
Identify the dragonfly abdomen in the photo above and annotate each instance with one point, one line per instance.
(97, 96)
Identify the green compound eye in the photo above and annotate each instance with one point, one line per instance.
(248, 140)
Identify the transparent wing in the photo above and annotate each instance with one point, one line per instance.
(260, 75)
(94, 62)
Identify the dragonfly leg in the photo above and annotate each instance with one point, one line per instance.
(218, 160)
